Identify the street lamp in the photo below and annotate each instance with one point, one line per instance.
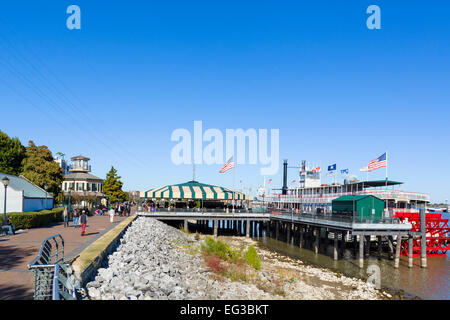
(70, 192)
(5, 181)
(45, 187)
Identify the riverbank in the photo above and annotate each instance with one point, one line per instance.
(156, 261)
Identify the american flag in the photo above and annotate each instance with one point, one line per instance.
(228, 165)
(293, 182)
(377, 163)
(269, 181)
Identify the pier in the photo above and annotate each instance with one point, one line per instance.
(303, 229)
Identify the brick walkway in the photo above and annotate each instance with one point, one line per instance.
(16, 251)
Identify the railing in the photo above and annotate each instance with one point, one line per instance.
(204, 210)
(335, 217)
(52, 279)
(328, 197)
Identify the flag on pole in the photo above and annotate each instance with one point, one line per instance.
(332, 167)
(269, 181)
(366, 168)
(345, 171)
(293, 182)
(228, 165)
(377, 163)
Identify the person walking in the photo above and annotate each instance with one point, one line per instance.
(75, 218)
(66, 217)
(111, 214)
(83, 221)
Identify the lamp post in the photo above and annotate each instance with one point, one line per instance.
(70, 192)
(5, 181)
(45, 187)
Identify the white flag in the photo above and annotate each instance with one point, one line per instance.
(366, 168)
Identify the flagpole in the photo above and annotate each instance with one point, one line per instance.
(234, 178)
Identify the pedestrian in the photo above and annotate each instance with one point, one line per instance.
(83, 221)
(66, 217)
(10, 225)
(75, 218)
(111, 214)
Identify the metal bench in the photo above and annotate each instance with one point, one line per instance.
(53, 278)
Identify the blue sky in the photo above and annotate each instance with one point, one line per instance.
(338, 92)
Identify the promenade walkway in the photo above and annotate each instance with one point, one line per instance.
(16, 251)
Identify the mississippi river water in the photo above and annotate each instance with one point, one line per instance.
(432, 282)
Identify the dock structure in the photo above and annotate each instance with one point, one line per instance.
(300, 229)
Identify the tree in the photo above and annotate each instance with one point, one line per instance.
(12, 153)
(40, 169)
(112, 187)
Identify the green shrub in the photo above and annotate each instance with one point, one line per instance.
(35, 219)
(221, 249)
(252, 258)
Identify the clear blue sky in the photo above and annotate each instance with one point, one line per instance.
(339, 93)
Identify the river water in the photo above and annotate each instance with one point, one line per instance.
(432, 282)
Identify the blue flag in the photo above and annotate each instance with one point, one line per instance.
(345, 171)
(332, 167)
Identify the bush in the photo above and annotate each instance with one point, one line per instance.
(252, 258)
(221, 249)
(35, 219)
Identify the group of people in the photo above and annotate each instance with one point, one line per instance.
(79, 218)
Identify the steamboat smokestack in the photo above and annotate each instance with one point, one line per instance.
(284, 189)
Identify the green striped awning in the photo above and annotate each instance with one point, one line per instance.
(194, 190)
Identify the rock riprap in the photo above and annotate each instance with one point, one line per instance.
(155, 261)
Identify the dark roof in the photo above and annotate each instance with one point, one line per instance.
(377, 183)
(81, 176)
(80, 157)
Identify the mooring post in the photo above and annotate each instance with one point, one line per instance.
(215, 227)
(391, 247)
(185, 225)
(410, 251)
(335, 248)
(343, 242)
(397, 251)
(247, 232)
(277, 230)
(367, 247)
(301, 237)
(288, 232)
(423, 239)
(316, 242)
(361, 251)
(380, 248)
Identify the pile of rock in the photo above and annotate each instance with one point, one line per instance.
(152, 262)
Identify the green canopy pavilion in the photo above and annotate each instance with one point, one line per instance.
(193, 190)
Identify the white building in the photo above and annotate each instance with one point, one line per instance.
(79, 181)
(23, 196)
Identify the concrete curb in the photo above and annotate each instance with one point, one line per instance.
(90, 259)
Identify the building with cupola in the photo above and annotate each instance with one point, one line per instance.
(79, 183)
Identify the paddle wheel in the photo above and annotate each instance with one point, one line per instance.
(437, 233)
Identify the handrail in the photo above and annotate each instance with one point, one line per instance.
(47, 256)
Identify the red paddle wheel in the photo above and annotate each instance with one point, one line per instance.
(437, 233)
